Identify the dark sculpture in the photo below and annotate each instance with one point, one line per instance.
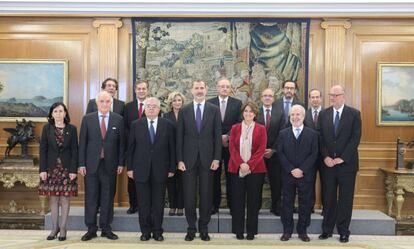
(22, 134)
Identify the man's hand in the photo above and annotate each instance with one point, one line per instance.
(329, 162)
(215, 164)
(181, 166)
(130, 174)
(119, 170)
(268, 153)
(338, 160)
(72, 176)
(170, 174)
(225, 140)
(297, 173)
(43, 176)
(82, 171)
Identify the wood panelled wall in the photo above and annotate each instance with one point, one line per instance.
(341, 51)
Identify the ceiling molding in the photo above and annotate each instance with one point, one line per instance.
(209, 8)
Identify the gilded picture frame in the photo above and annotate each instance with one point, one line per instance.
(29, 87)
(395, 99)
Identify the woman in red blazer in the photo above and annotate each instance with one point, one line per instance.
(247, 169)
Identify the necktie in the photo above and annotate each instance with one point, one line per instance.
(297, 132)
(140, 110)
(103, 133)
(315, 117)
(267, 118)
(198, 118)
(222, 109)
(152, 131)
(336, 123)
(286, 111)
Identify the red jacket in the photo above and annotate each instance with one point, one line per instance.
(259, 141)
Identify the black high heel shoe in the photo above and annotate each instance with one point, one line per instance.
(62, 236)
(53, 236)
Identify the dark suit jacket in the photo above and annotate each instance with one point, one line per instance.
(142, 154)
(91, 142)
(232, 115)
(345, 144)
(119, 106)
(276, 122)
(131, 113)
(49, 151)
(190, 143)
(298, 153)
(279, 107)
(170, 116)
(256, 162)
(309, 119)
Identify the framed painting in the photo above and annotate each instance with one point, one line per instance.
(29, 87)
(254, 54)
(395, 106)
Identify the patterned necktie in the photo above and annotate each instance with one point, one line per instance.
(315, 118)
(222, 109)
(267, 118)
(286, 111)
(198, 118)
(103, 132)
(336, 123)
(140, 110)
(297, 133)
(152, 131)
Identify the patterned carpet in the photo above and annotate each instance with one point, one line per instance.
(22, 239)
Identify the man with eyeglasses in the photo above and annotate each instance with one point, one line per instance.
(273, 120)
(340, 133)
(288, 100)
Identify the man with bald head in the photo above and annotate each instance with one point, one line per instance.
(340, 134)
(101, 156)
(297, 151)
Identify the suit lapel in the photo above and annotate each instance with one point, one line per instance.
(96, 123)
(53, 136)
(66, 136)
(330, 121)
(109, 126)
(260, 117)
(159, 130)
(228, 109)
(205, 115)
(341, 120)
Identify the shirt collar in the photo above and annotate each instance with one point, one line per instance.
(317, 109)
(340, 109)
(225, 99)
(294, 128)
(100, 114)
(155, 121)
(202, 103)
(265, 108)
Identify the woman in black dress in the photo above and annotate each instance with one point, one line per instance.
(58, 159)
(174, 185)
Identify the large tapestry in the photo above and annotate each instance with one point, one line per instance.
(252, 53)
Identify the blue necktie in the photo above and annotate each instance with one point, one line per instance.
(286, 111)
(198, 118)
(152, 131)
(297, 133)
(336, 123)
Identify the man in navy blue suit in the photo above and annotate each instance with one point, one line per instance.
(297, 151)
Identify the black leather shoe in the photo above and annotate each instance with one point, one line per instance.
(343, 238)
(53, 236)
(132, 210)
(158, 237)
(250, 236)
(180, 212)
(189, 236)
(214, 210)
(63, 238)
(239, 236)
(325, 235)
(275, 212)
(204, 237)
(88, 236)
(295, 210)
(110, 235)
(304, 237)
(286, 237)
(145, 237)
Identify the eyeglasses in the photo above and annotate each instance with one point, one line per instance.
(290, 88)
(335, 95)
(267, 96)
(151, 106)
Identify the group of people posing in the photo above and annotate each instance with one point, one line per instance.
(184, 151)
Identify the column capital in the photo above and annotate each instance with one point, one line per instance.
(329, 23)
(107, 21)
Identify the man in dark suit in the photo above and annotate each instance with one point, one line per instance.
(151, 160)
(101, 156)
(297, 150)
(283, 105)
(272, 119)
(198, 156)
(135, 110)
(340, 132)
(111, 86)
(311, 121)
(230, 109)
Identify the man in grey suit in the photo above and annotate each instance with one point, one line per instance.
(101, 156)
(198, 156)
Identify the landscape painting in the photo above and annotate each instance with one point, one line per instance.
(395, 94)
(29, 87)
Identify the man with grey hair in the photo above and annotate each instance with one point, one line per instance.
(151, 160)
(297, 150)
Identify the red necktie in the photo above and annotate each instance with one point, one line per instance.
(103, 132)
(267, 118)
(140, 110)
